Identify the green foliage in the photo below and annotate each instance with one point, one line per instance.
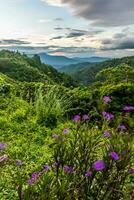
(22, 68)
(117, 74)
(33, 116)
(85, 73)
(51, 106)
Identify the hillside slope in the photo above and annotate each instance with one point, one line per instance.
(22, 68)
(85, 73)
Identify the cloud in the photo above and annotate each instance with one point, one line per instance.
(74, 50)
(52, 49)
(76, 33)
(57, 38)
(101, 12)
(119, 41)
(58, 28)
(13, 42)
(58, 19)
(53, 2)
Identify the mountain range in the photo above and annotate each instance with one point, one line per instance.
(61, 61)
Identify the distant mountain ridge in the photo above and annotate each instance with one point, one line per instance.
(56, 61)
(85, 73)
(61, 61)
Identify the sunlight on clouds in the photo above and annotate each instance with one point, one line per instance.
(53, 2)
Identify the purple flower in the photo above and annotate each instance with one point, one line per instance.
(131, 171)
(107, 116)
(85, 117)
(68, 169)
(30, 181)
(3, 158)
(35, 176)
(77, 118)
(128, 108)
(99, 165)
(106, 134)
(56, 163)
(114, 155)
(122, 127)
(3, 146)
(65, 131)
(46, 168)
(88, 173)
(19, 162)
(106, 99)
(54, 136)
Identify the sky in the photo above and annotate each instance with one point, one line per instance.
(71, 28)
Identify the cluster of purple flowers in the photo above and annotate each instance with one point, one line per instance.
(107, 134)
(77, 118)
(88, 173)
(56, 164)
(128, 108)
(46, 168)
(114, 155)
(122, 127)
(85, 117)
(68, 169)
(2, 146)
(131, 171)
(19, 162)
(99, 165)
(65, 130)
(107, 115)
(106, 99)
(35, 176)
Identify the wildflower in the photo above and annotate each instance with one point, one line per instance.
(99, 165)
(122, 127)
(106, 134)
(3, 158)
(56, 163)
(3, 146)
(114, 155)
(106, 99)
(107, 116)
(54, 136)
(35, 176)
(30, 181)
(128, 108)
(131, 171)
(77, 118)
(68, 169)
(65, 131)
(85, 117)
(88, 174)
(46, 168)
(19, 162)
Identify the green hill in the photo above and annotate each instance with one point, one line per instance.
(22, 68)
(85, 73)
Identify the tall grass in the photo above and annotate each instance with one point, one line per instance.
(51, 106)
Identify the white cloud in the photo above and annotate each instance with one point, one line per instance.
(53, 2)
